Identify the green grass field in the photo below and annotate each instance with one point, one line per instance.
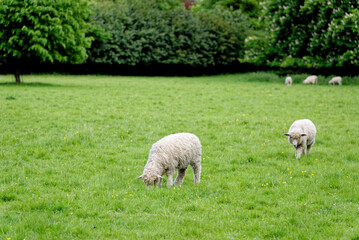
(71, 148)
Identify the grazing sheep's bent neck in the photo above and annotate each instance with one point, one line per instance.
(153, 168)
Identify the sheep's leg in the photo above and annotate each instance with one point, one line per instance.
(197, 172)
(309, 148)
(298, 152)
(304, 146)
(180, 176)
(170, 174)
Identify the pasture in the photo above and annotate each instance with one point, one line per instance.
(71, 148)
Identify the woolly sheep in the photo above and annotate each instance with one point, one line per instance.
(311, 80)
(301, 135)
(175, 151)
(335, 80)
(288, 81)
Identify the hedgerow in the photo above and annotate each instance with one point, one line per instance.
(140, 33)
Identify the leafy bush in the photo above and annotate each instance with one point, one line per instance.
(250, 8)
(140, 33)
(309, 34)
(169, 4)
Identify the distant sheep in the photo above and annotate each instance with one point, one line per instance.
(301, 135)
(172, 152)
(288, 81)
(311, 80)
(335, 80)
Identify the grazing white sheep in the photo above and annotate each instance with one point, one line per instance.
(335, 80)
(172, 152)
(301, 135)
(288, 81)
(311, 80)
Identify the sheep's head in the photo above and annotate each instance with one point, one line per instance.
(295, 138)
(151, 179)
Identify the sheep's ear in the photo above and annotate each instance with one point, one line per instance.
(286, 134)
(303, 134)
(159, 176)
(139, 177)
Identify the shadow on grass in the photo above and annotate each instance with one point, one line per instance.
(32, 84)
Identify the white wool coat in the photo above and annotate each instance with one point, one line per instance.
(311, 80)
(301, 135)
(335, 80)
(175, 151)
(288, 81)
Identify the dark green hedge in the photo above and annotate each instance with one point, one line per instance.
(136, 32)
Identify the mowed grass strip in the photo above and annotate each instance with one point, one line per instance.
(71, 148)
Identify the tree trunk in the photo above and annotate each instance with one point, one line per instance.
(17, 76)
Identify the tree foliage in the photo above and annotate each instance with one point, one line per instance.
(43, 31)
(139, 33)
(248, 7)
(308, 33)
(169, 4)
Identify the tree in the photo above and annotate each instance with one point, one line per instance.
(308, 34)
(250, 8)
(42, 31)
(168, 4)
